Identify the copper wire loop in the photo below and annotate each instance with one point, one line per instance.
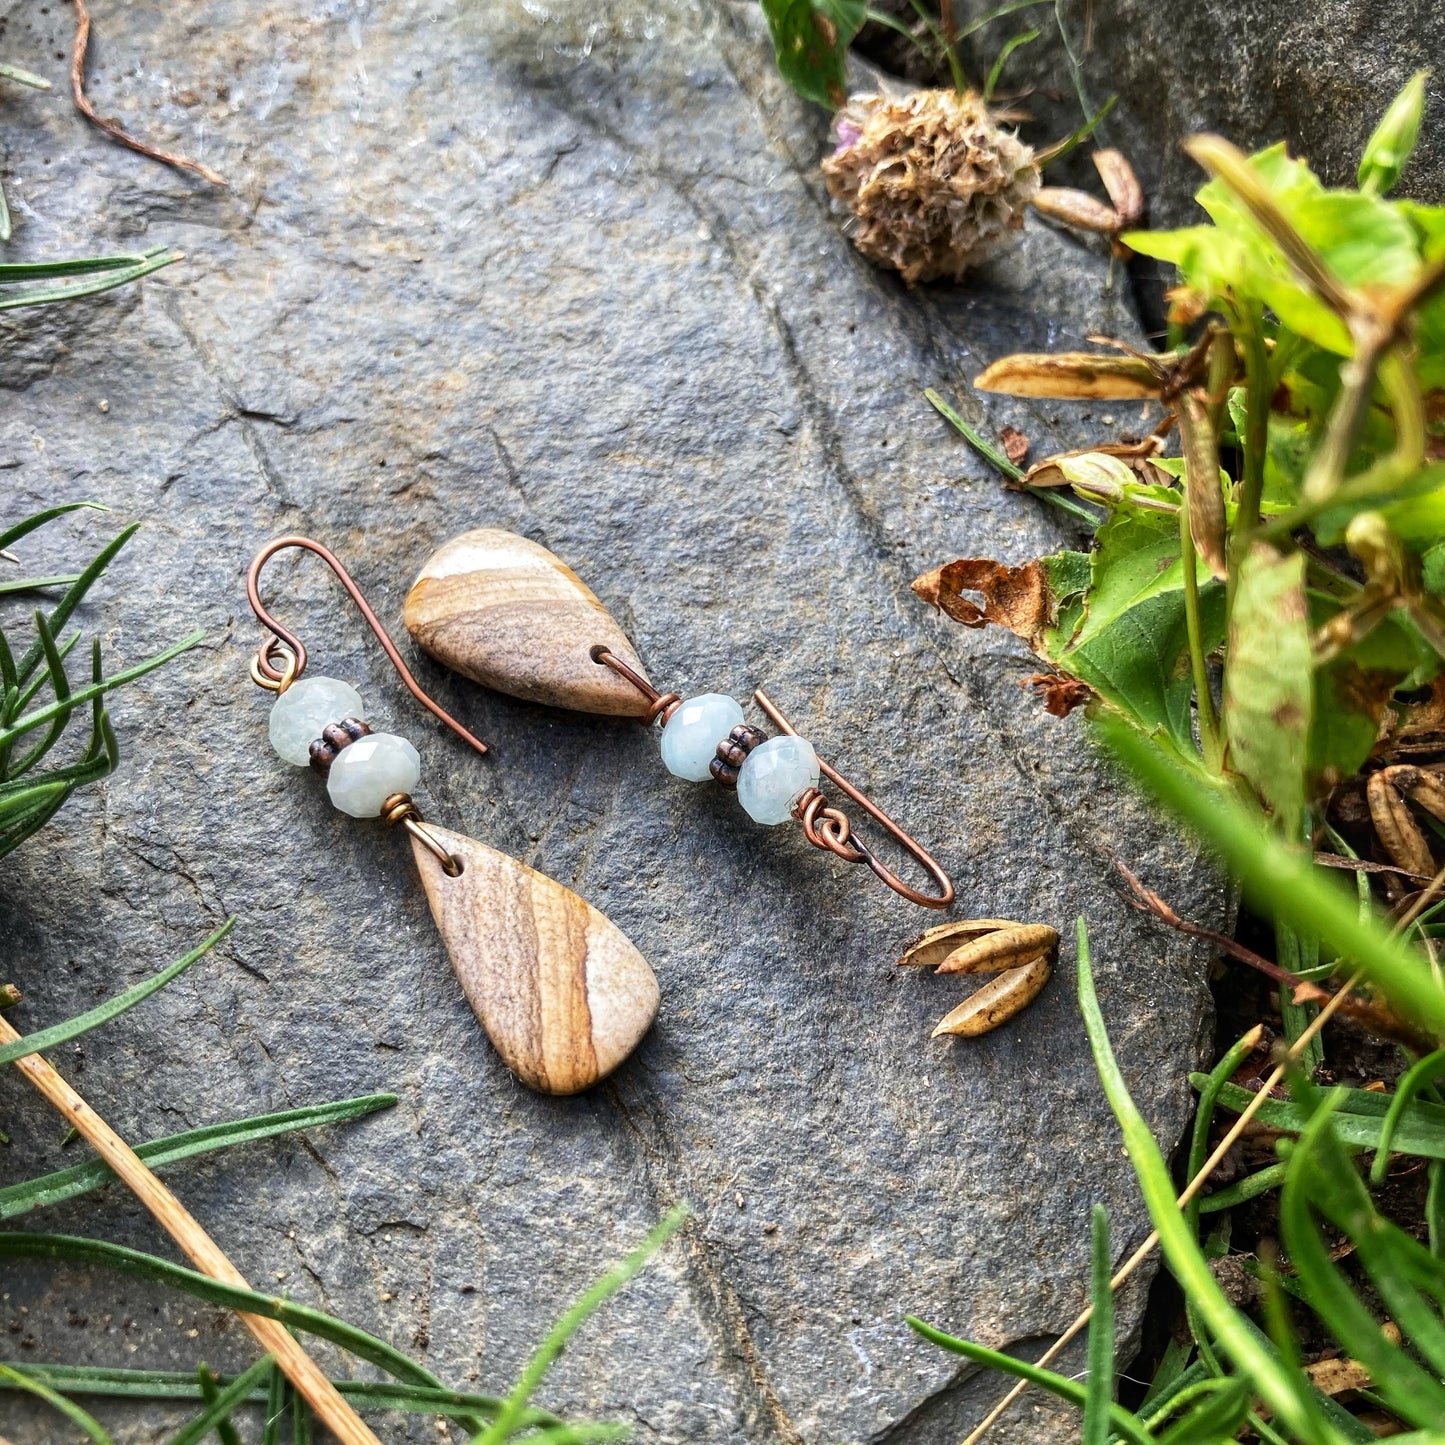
(399, 808)
(662, 704)
(825, 827)
(264, 673)
(288, 672)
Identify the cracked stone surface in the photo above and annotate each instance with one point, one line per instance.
(568, 270)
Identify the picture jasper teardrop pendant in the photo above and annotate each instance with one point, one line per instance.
(506, 613)
(560, 989)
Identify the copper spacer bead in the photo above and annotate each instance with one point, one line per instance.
(733, 750)
(334, 737)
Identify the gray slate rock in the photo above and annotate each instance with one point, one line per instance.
(568, 270)
(1318, 75)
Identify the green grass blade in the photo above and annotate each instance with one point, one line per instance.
(60, 686)
(1250, 1187)
(123, 1384)
(75, 596)
(18, 271)
(217, 1414)
(1282, 1391)
(275, 1408)
(1415, 1396)
(47, 1189)
(36, 520)
(98, 1253)
(996, 458)
(21, 76)
(82, 1023)
(1359, 1121)
(14, 297)
(1099, 1383)
(1213, 1082)
(1215, 1418)
(86, 694)
(68, 1408)
(37, 584)
(587, 1304)
(1014, 42)
(1281, 883)
(1421, 1072)
(26, 695)
(1123, 1423)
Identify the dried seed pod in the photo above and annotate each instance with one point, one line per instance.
(1077, 208)
(1207, 524)
(933, 182)
(1399, 834)
(1428, 790)
(1010, 947)
(997, 1001)
(1122, 185)
(934, 945)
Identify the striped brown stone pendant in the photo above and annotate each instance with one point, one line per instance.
(505, 612)
(561, 991)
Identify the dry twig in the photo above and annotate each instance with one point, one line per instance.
(110, 127)
(208, 1257)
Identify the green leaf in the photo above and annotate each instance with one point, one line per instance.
(97, 1253)
(72, 1412)
(108, 276)
(1359, 1121)
(1352, 692)
(1391, 145)
(1420, 1074)
(119, 1383)
(42, 715)
(62, 1033)
(1268, 683)
(1282, 884)
(1132, 643)
(17, 1199)
(1216, 1419)
(1099, 1383)
(1126, 1424)
(811, 40)
(221, 1402)
(1286, 1393)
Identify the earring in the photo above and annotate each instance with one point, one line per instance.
(505, 612)
(561, 991)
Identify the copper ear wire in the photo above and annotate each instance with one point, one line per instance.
(293, 650)
(825, 827)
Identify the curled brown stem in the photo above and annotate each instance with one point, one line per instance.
(110, 127)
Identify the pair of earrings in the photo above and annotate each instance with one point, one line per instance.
(562, 992)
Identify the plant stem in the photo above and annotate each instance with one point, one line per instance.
(1199, 664)
(202, 1250)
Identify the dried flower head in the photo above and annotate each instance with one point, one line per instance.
(934, 184)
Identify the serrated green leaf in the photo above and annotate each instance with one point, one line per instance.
(1268, 685)
(810, 42)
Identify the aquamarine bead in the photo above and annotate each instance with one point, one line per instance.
(690, 739)
(307, 706)
(774, 776)
(367, 772)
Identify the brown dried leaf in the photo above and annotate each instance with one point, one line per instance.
(1207, 523)
(997, 1001)
(1010, 947)
(1060, 694)
(933, 945)
(1078, 208)
(1399, 834)
(1073, 376)
(1015, 445)
(1122, 185)
(1014, 597)
(1425, 788)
